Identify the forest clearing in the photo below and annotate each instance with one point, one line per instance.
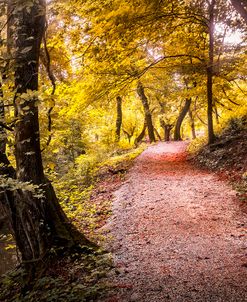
(123, 150)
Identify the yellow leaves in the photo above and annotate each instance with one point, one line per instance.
(26, 108)
(28, 95)
(244, 176)
(48, 99)
(10, 246)
(113, 18)
(8, 92)
(51, 165)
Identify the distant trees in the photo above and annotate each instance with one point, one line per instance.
(163, 46)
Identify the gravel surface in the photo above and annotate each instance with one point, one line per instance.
(177, 233)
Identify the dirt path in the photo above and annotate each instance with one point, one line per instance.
(178, 233)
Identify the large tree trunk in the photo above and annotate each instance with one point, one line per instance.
(38, 221)
(182, 114)
(210, 71)
(148, 115)
(119, 118)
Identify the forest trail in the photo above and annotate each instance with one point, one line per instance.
(177, 233)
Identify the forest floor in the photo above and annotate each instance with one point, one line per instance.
(177, 233)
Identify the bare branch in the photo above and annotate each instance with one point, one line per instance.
(3, 125)
(224, 91)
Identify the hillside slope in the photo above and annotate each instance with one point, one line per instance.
(228, 155)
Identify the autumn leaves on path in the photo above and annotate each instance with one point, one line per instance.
(177, 233)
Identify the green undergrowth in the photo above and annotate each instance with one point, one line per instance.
(77, 278)
(85, 192)
(90, 178)
(227, 155)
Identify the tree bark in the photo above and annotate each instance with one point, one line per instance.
(142, 134)
(38, 222)
(157, 134)
(119, 118)
(167, 129)
(217, 117)
(148, 115)
(185, 109)
(210, 73)
(167, 132)
(192, 124)
(129, 134)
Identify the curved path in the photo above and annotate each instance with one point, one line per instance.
(177, 233)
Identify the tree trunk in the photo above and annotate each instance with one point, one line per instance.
(167, 129)
(177, 132)
(141, 135)
(148, 115)
(217, 117)
(38, 221)
(167, 132)
(129, 134)
(157, 134)
(210, 70)
(119, 118)
(192, 125)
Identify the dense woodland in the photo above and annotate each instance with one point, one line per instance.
(82, 82)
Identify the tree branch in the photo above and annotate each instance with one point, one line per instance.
(241, 7)
(3, 125)
(224, 91)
